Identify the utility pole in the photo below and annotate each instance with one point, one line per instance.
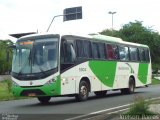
(52, 21)
(112, 13)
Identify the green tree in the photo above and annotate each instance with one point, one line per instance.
(109, 32)
(4, 46)
(137, 33)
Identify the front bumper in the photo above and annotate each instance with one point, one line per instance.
(53, 89)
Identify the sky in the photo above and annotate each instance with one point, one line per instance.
(20, 16)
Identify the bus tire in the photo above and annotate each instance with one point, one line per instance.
(44, 100)
(83, 91)
(131, 87)
(100, 93)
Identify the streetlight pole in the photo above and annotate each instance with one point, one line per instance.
(112, 13)
(52, 21)
(74, 13)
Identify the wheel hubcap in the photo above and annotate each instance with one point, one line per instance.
(83, 90)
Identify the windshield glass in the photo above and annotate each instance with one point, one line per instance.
(35, 56)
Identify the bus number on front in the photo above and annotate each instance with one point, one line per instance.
(82, 69)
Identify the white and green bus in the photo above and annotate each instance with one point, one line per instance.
(51, 65)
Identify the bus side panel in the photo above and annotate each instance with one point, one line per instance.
(68, 82)
(104, 72)
(71, 79)
(123, 72)
(144, 74)
(104, 75)
(84, 70)
(149, 77)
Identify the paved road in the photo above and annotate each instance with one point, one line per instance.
(70, 108)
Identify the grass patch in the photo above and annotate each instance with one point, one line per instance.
(139, 108)
(155, 81)
(5, 91)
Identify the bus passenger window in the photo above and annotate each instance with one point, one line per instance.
(95, 50)
(112, 52)
(133, 54)
(80, 46)
(87, 48)
(123, 53)
(101, 49)
(142, 55)
(147, 55)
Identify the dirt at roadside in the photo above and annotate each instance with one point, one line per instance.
(4, 77)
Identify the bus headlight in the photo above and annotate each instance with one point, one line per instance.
(50, 81)
(64, 81)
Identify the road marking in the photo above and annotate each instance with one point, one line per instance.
(90, 118)
(118, 111)
(105, 110)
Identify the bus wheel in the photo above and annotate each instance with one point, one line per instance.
(83, 91)
(44, 100)
(131, 87)
(100, 93)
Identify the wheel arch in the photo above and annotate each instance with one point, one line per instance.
(133, 78)
(87, 80)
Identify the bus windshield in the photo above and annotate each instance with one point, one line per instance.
(35, 56)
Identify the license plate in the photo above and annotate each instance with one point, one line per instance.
(31, 94)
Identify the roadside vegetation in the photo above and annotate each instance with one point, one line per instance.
(5, 91)
(139, 108)
(155, 81)
(5, 66)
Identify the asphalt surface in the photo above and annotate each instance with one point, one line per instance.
(67, 107)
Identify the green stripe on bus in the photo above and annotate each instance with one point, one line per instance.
(143, 72)
(58, 85)
(104, 71)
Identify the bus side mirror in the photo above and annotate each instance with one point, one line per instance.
(70, 55)
(73, 53)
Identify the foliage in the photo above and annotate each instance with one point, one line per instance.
(139, 107)
(108, 32)
(155, 81)
(5, 65)
(5, 91)
(137, 33)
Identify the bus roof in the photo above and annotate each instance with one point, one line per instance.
(115, 40)
(97, 37)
